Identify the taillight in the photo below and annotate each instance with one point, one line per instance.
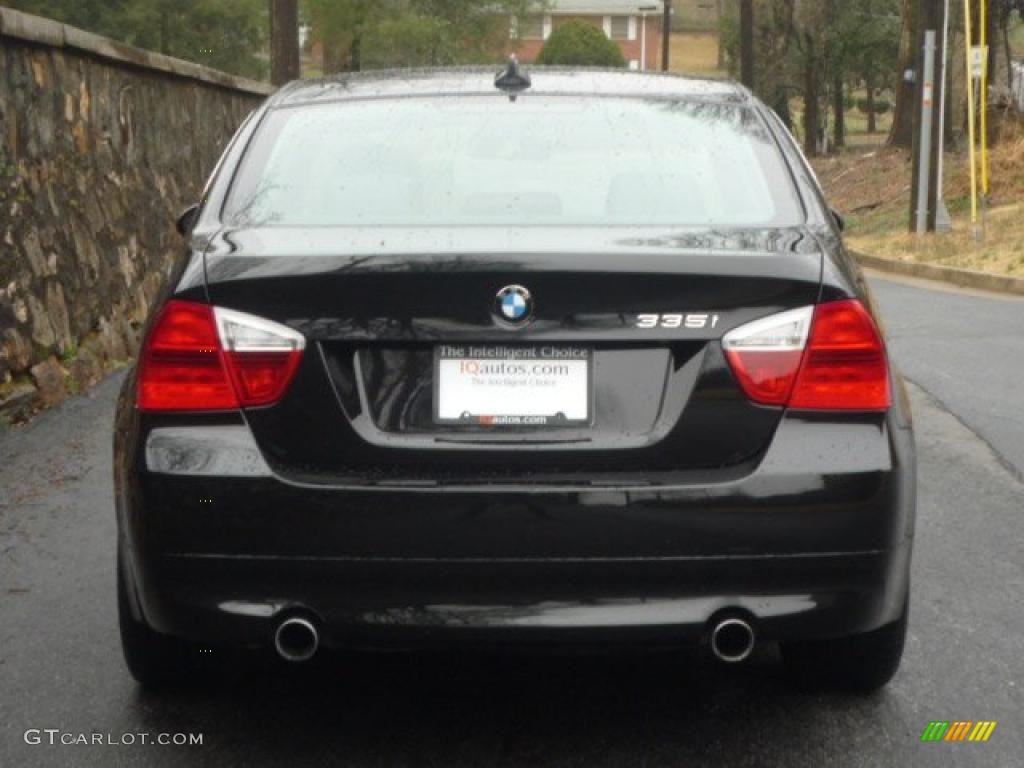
(203, 358)
(826, 357)
(845, 366)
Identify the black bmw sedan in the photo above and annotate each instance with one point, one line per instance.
(457, 361)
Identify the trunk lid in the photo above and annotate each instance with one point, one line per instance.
(374, 305)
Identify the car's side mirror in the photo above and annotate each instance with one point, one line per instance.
(187, 219)
(837, 217)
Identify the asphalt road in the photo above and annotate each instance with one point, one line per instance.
(60, 664)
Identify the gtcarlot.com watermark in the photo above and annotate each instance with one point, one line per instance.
(55, 736)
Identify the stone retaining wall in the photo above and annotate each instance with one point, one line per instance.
(101, 145)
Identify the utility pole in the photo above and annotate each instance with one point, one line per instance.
(284, 41)
(925, 211)
(925, 182)
(942, 220)
(747, 43)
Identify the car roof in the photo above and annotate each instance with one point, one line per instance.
(401, 83)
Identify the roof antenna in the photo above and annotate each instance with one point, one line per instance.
(512, 80)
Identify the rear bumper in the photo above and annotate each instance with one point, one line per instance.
(815, 542)
(398, 604)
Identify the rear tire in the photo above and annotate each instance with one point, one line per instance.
(154, 660)
(855, 664)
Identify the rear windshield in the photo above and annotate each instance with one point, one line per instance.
(483, 160)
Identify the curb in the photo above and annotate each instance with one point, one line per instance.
(964, 278)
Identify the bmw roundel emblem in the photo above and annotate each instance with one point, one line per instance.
(513, 304)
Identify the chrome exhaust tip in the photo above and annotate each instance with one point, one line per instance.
(296, 639)
(732, 640)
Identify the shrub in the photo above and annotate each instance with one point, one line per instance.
(579, 44)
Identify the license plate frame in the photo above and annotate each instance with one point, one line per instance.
(577, 407)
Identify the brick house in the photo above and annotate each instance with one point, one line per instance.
(634, 26)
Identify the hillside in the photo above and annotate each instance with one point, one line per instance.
(871, 188)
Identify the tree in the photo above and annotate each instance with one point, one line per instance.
(875, 52)
(411, 40)
(579, 44)
(285, 64)
(477, 32)
(360, 34)
(774, 60)
(901, 134)
(1002, 13)
(862, 48)
(339, 26)
(747, 42)
(224, 34)
(720, 19)
(99, 16)
(816, 49)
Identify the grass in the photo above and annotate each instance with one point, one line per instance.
(857, 127)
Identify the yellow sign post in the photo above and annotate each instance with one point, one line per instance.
(977, 109)
(983, 90)
(970, 116)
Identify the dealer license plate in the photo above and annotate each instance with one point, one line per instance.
(513, 386)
